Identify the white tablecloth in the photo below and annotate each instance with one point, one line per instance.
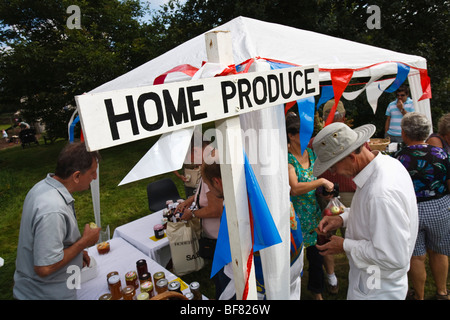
(138, 233)
(121, 258)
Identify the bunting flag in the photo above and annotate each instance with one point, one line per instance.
(326, 94)
(340, 79)
(306, 110)
(264, 230)
(426, 86)
(402, 74)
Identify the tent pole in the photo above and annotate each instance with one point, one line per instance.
(219, 50)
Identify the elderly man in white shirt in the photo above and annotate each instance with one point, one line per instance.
(382, 222)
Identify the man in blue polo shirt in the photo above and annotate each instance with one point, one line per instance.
(49, 238)
(395, 112)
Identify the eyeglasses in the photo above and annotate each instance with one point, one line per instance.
(401, 95)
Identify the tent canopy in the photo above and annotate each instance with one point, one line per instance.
(253, 38)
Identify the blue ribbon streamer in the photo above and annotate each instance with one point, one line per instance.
(402, 74)
(264, 229)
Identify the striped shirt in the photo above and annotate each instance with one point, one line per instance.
(396, 116)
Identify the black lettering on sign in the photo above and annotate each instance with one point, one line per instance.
(143, 98)
(113, 119)
(227, 96)
(273, 84)
(296, 83)
(195, 102)
(263, 99)
(308, 81)
(179, 115)
(286, 95)
(244, 92)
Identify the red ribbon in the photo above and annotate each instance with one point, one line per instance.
(425, 82)
(185, 68)
(250, 256)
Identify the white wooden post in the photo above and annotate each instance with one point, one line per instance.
(219, 50)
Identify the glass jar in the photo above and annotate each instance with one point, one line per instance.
(131, 279)
(147, 287)
(128, 293)
(161, 285)
(159, 231)
(115, 286)
(195, 289)
(141, 267)
(174, 286)
(105, 296)
(143, 296)
(112, 273)
(158, 276)
(189, 295)
(145, 277)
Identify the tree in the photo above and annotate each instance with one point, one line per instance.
(46, 64)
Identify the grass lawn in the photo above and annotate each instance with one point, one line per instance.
(21, 168)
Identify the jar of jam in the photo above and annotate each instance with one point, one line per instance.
(147, 287)
(145, 277)
(143, 296)
(103, 247)
(112, 273)
(195, 289)
(161, 285)
(128, 293)
(158, 276)
(189, 295)
(105, 296)
(159, 231)
(141, 266)
(115, 286)
(131, 279)
(174, 286)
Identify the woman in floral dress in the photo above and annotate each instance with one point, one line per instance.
(429, 168)
(303, 196)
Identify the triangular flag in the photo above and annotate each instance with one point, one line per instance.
(327, 94)
(374, 91)
(306, 110)
(340, 78)
(426, 86)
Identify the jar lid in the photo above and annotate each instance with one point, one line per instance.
(141, 262)
(147, 285)
(174, 285)
(128, 289)
(144, 276)
(162, 282)
(194, 285)
(189, 296)
(106, 296)
(143, 296)
(113, 279)
(130, 275)
(158, 227)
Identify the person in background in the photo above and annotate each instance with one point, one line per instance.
(429, 167)
(303, 196)
(382, 222)
(395, 112)
(49, 238)
(441, 139)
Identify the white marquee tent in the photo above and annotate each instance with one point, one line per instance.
(257, 39)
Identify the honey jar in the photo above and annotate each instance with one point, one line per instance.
(131, 279)
(128, 293)
(105, 296)
(145, 277)
(147, 287)
(115, 286)
(112, 273)
(143, 296)
(195, 289)
(141, 267)
(158, 276)
(174, 286)
(103, 247)
(161, 285)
